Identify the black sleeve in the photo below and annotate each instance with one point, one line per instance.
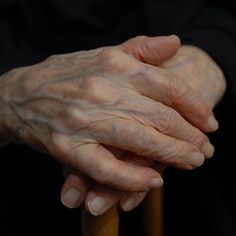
(214, 30)
(18, 32)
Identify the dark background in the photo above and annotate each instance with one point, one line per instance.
(200, 202)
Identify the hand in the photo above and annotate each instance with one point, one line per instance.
(71, 105)
(97, 199)
(196, 67)
(200, 71)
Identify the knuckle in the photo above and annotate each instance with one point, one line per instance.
(114, 60)
(181, 157)
(58, 145)
(200, 107)
(177, 88)
(103, 174)
(148, 142)
(110, 56)
(166, 121)
(121, 180)
(199, 139)
(56, 140)
(173, 151)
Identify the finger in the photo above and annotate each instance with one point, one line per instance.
(98, 202)
(146, 141)
(169, 122)
(101, 165)
(152, 50)
(74, 189)
(131, 201)
(102, 198)
(173, 91)
(77, 185)
(138, 160)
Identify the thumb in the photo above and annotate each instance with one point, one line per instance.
(152, 50)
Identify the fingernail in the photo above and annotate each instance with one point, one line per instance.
(212, 123)
(127, 204)
(156, 183)
(207, 149)
(197, 159)
(71, 198)
(97, 206)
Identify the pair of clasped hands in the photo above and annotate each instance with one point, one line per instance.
(115, 117)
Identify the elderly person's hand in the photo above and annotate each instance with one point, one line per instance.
(202, 73)
(98, 198)
(72, 105)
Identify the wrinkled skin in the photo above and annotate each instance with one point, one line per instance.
(75, 106)
(200, 71)
(205, 77)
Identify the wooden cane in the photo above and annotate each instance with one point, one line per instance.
(104, 225)
(153, 213)
(108, 223)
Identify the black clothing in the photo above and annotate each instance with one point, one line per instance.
(202, 202)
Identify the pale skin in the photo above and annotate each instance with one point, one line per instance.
(83, 108)
(205, 77)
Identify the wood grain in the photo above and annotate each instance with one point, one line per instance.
(153, 213)
(104, 225)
